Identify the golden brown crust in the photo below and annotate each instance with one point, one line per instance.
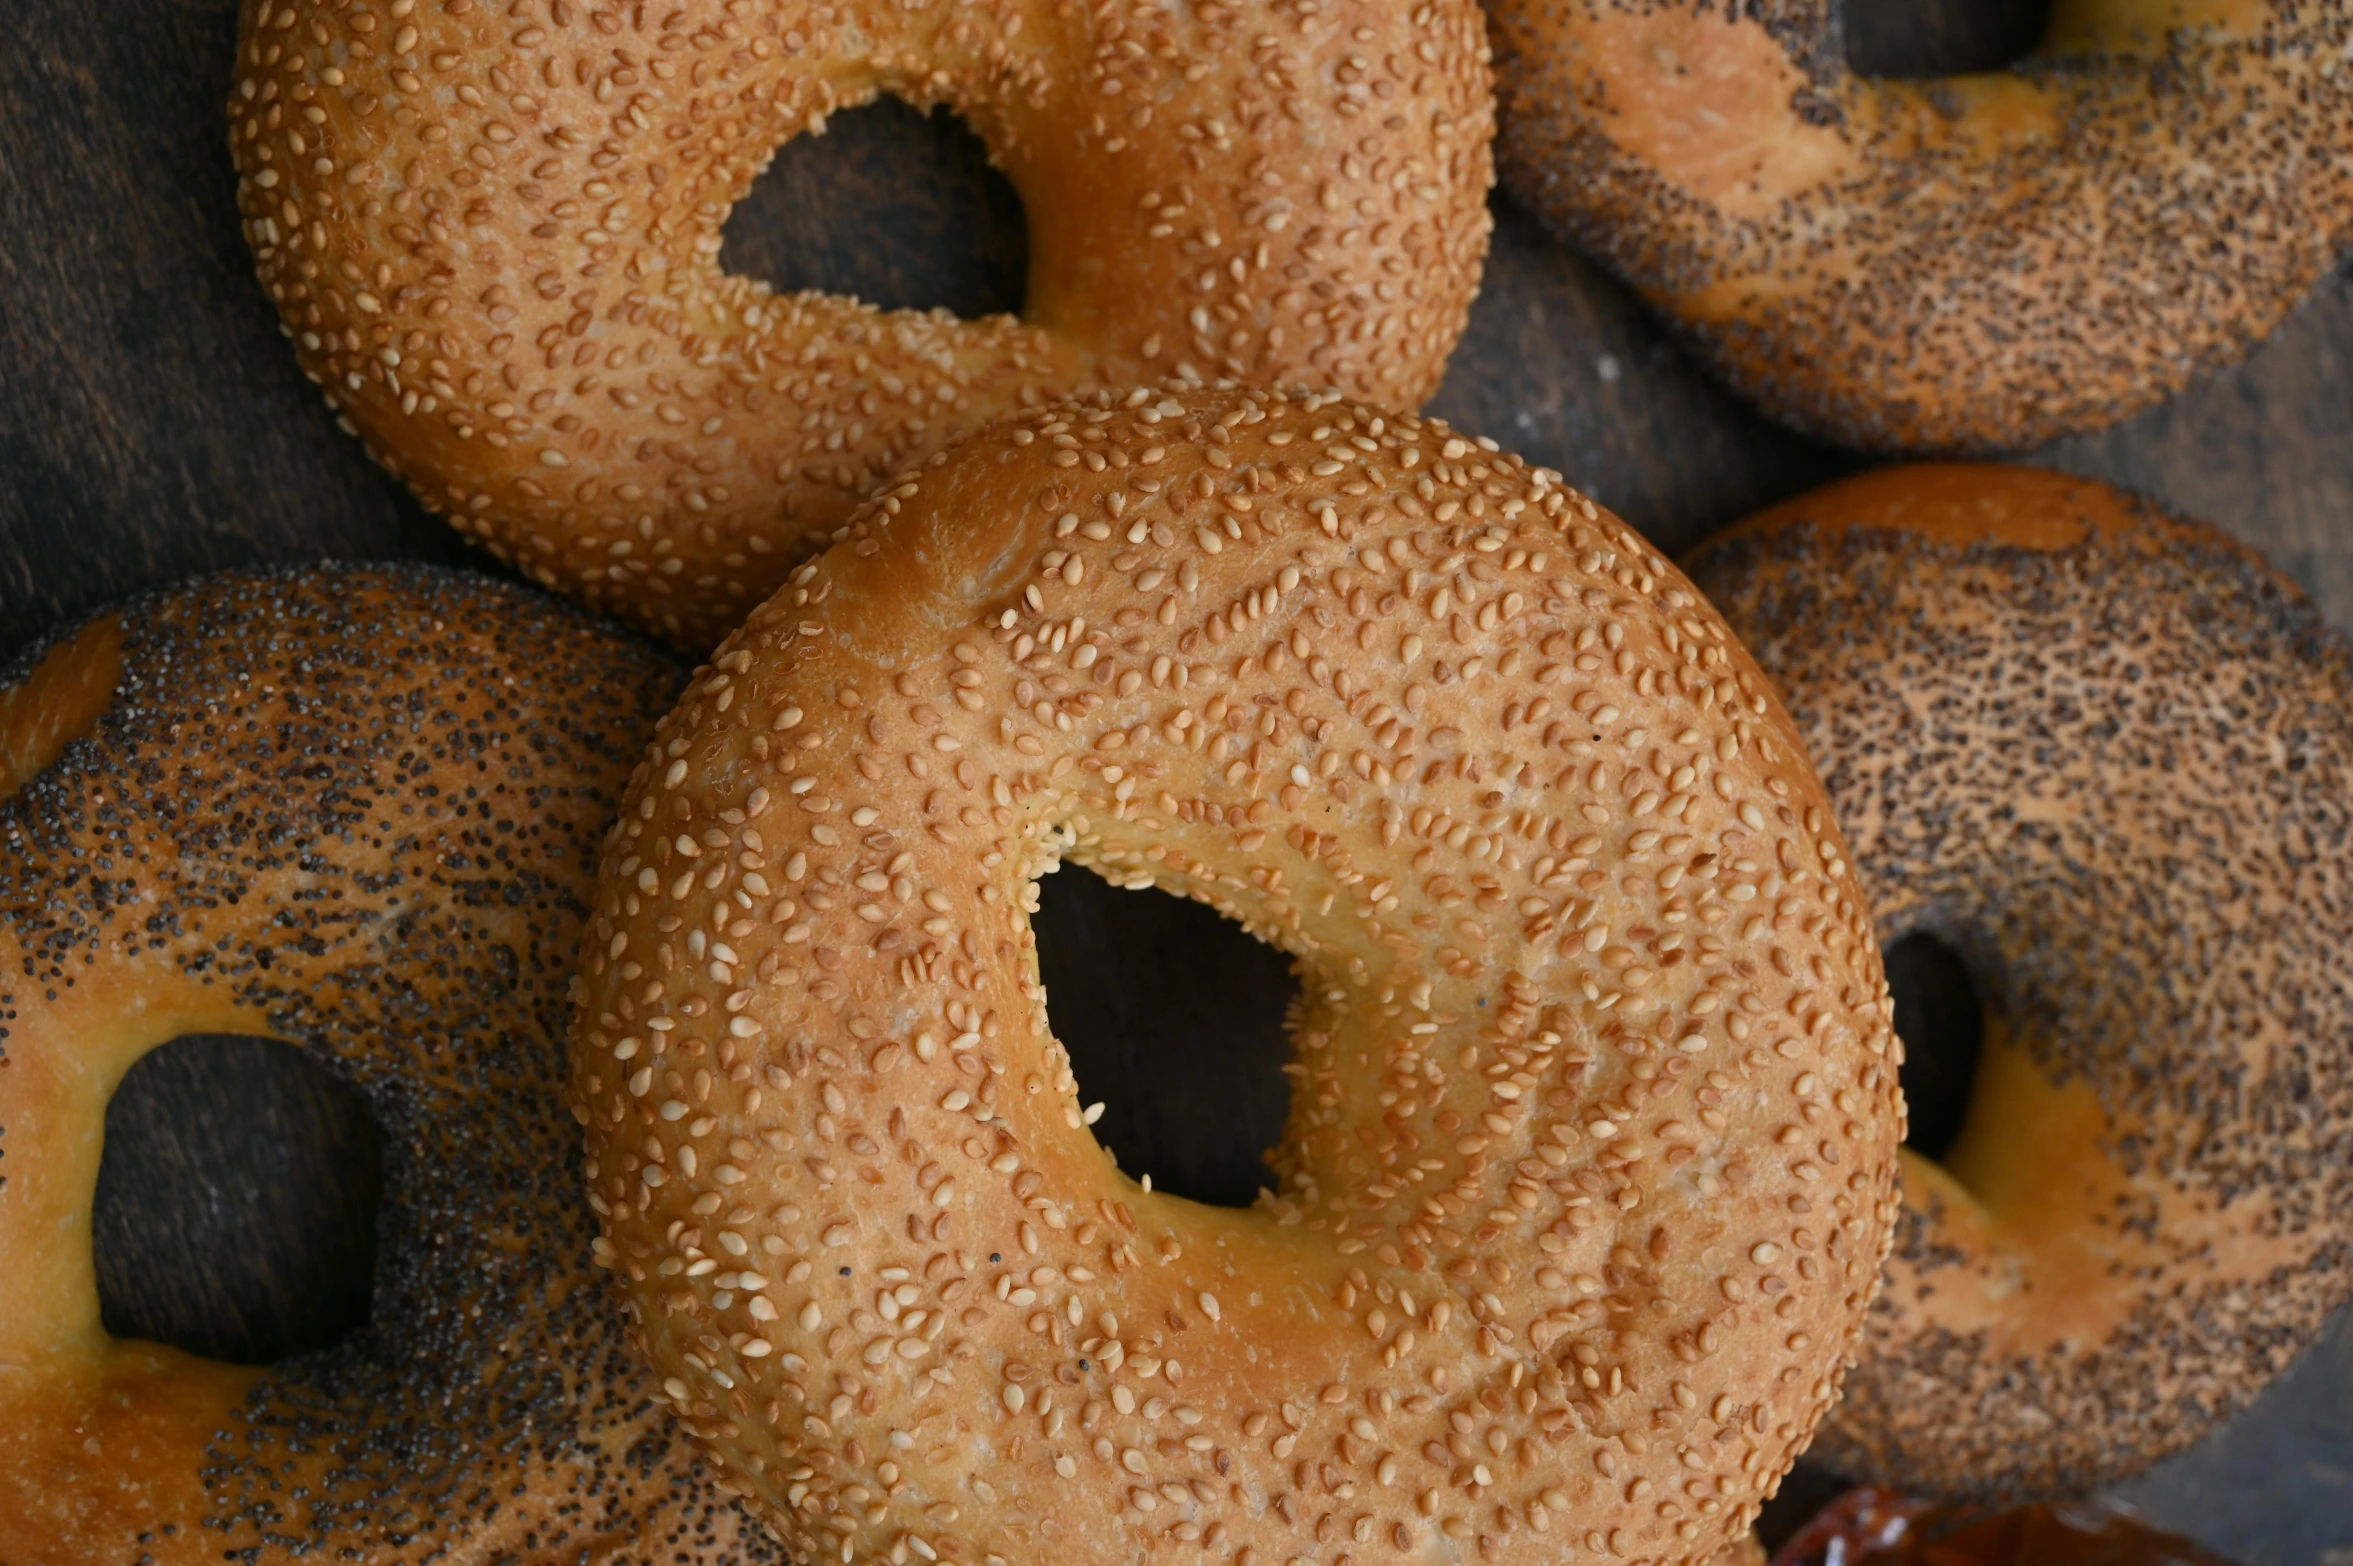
(55, 700)
(1969, 263)
(1590, 1153)
(357, 810)
(2106, 756)
(493, 232)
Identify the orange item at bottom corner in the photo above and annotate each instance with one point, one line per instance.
(1876, 1528)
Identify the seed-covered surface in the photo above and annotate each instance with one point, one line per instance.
(358, 810)
(1590, 1163)
(1965, 263)
(493, 232)
(2107, 757)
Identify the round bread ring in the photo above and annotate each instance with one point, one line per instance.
(494, 233)
(2106, 756)
(357, 809)
(1959, 264)
(1590, 1157)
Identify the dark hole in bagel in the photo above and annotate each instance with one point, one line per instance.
(1939, 37)
(1942, 1024)
(894, 206)
(236, 1207)
(1804, 1491)
(1174, 1019)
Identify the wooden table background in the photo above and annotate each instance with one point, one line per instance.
(153, 426)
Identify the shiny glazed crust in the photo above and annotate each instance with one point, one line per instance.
(1967, 263)
(493, 232)
(1590, 1160)
(355, 809)
(2106, 756)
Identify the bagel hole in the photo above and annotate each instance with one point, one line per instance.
(1804, 1491)
(1176, 1022)
(1942, 1024)
(1939, 37)
(894, 206)
(235, 1216)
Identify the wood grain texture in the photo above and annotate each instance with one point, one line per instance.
(195, 1175)
(1174, 1022)
(153, 425)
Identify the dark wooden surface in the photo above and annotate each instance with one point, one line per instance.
(153, 425)
(232, 1207)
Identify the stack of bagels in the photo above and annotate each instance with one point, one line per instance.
(743, 1203)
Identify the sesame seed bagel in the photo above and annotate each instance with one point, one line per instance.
(1963, 263)
(357, 810)
(2106, 756)
(1589, 1163)
(493, 232)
